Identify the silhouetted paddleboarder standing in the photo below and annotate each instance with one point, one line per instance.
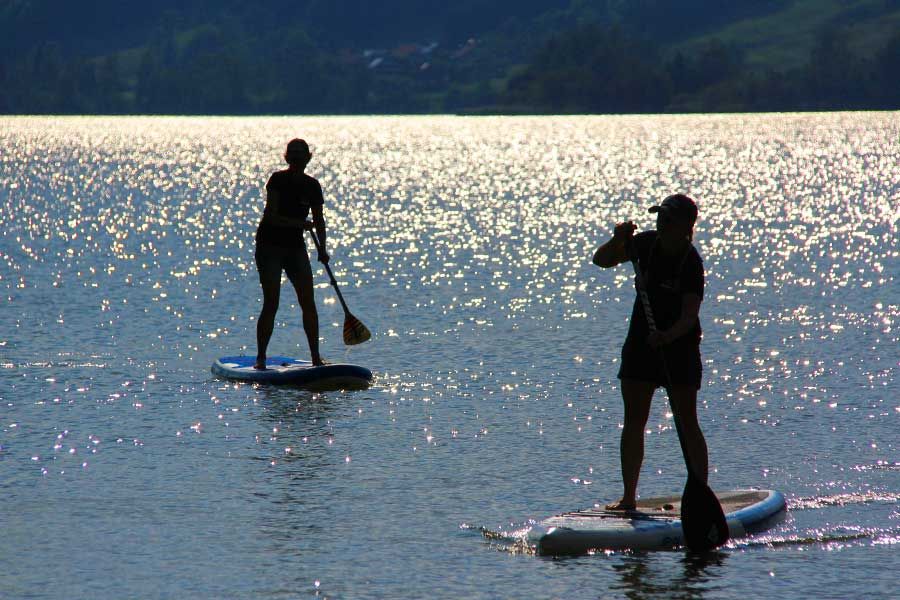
(291, 195)
(674, 278)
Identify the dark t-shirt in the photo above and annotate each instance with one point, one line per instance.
(296, 195)
(667, 281)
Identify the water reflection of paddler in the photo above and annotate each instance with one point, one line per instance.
(674, 276)
(291, 195)
(643, 577)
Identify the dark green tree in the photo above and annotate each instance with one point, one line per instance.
(887, 73)
(593, 69)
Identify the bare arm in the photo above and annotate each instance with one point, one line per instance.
(614, 251)
(690, 312)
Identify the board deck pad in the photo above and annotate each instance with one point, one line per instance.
(654, 524)
(288, 370)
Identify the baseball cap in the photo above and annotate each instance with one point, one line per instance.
(677, 206)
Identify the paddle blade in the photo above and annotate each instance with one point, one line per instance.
(354, 331)
(702, 519)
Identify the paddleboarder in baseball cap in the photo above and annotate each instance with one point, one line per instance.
(674, 277)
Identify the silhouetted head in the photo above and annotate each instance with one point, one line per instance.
(297, 153)
(675, 216)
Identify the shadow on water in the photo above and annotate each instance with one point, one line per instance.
(285, 401)
(296, 450)
(643, 577)
(297, 421)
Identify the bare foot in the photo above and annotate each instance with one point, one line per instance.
(260, 364)
(621, 505)
(318, 362)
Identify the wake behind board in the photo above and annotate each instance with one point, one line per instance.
(286, 370)
(654, 525)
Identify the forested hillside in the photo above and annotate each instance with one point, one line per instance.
(469, 56)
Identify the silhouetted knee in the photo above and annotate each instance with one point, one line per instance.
(636, 418)
(269, 308)
(690, 426)
(308, 305)
(633, 428)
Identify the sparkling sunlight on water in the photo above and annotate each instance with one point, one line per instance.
(126, 266)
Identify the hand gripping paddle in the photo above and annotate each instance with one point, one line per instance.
(702, 519)
(354, 330)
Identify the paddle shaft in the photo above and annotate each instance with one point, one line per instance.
(330, 274)
(703, 522)
(651, 325)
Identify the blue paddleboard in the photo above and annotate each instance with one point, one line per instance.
(656, 524)
(286, 370)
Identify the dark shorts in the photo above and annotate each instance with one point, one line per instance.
(272, 260)
(642, 363)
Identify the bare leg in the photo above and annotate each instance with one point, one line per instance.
(637, 396)
(684, 403)
(310, 318)
(266, 323)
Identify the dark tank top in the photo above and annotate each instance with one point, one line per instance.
(667, 280)
(296, 195)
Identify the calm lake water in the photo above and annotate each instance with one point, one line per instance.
(126, 266)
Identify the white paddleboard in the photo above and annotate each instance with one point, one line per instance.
(286, 370)
(655, 524)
